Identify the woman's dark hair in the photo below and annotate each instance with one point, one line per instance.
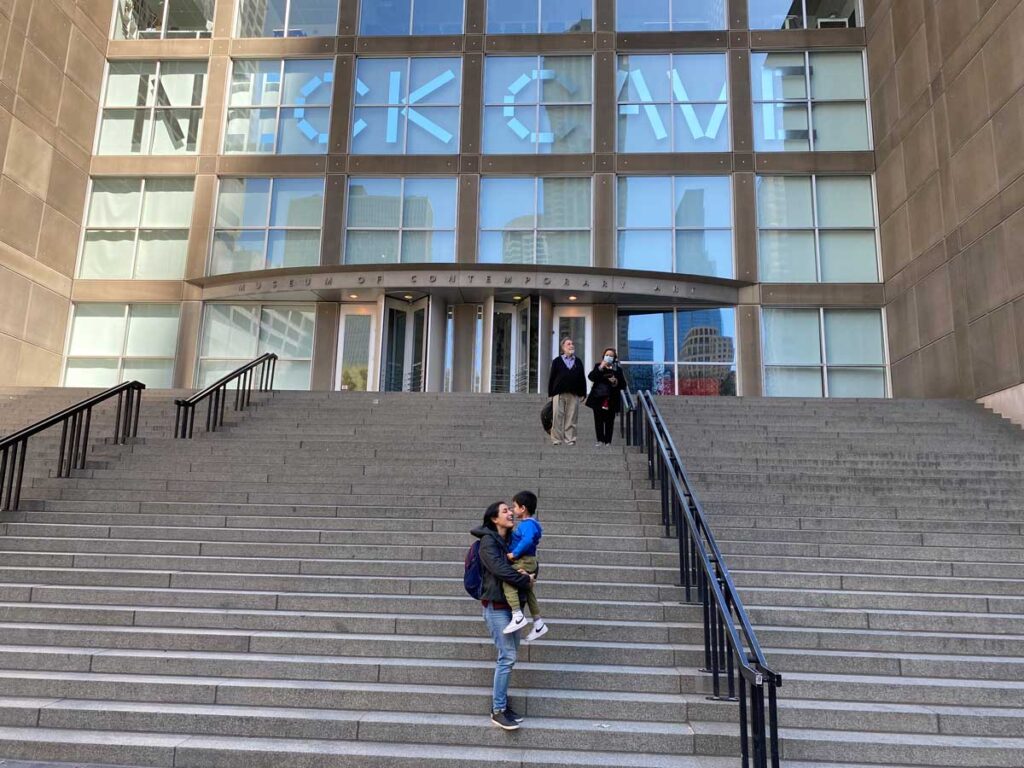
(491, 514)
(615, 352)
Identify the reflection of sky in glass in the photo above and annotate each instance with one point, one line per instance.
(642, 336)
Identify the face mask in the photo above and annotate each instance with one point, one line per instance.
(609, 359)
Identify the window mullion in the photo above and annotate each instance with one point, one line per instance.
(824, 355)
(287, 17)
(124, 341)
(811, 139)
(138, 226)
(164, 19)
(266, 227)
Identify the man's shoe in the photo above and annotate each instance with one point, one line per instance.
(511, 714)
(517, 623)
(536, 632)
(503, 721)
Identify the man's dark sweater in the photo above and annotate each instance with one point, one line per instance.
(562, 380)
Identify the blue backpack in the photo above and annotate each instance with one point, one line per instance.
(473, 579)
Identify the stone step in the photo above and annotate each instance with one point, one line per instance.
(186, 751)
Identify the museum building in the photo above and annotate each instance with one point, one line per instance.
(426, 195)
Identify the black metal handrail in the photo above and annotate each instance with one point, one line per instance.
(730, 644)
(216, 395)
(76, 422)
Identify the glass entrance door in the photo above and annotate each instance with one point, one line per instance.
(404, 353)
(574, 322)
(503, 350)
(355, 348)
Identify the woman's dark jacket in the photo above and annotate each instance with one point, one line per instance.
(561, 380)
(495, 566)
(603, 388)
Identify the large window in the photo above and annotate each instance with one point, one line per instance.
(804, 14)
(809, 101)
(538, 104)
(168, 19)
(152, 108)
(267, 224)
(111, 343)
(410, 17)
(407, 106)
(279, 107)
(136, 229)
(679, 352)
(233, 334)
(394, 221)
(673, 103)
(287, 18)
(669, 15)
(823, 353)
(816, 229)
(676, 224)
(539, 16)
(535, 221)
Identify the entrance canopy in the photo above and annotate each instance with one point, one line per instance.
(471, 282)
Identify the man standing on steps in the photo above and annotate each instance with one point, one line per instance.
(567, 385)
(494, 537)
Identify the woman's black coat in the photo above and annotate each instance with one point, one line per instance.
(603, 388)
(495, 565)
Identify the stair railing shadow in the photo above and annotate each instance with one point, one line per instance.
(76, 423)
(731, 649)
(255, 376)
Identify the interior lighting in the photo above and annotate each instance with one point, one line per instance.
(353, 295)
(572, 298)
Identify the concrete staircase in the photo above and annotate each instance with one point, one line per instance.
(288, 593)
(879, 547)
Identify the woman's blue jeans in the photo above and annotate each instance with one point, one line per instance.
(508, 651)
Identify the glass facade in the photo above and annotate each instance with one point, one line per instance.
(152, 108)
(816, 229)
(804, 14)
(538, 104)
(823, 353)
(669, 15)
(403, 220)
(535, 221)
(162, 19)
(673, 103)
(407, 106)
(279, 107)
(679, 352)
(676, 224)
(426, 140)
(539, 16)
(809, 101)
(287, 18)
(266, 223)
(410, 17)
(233, 334)
(136, 229)
(111, 343)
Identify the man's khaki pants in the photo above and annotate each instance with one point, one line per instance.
(565, 408)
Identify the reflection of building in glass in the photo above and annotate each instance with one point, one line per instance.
(570, 86)
(706, 345)
(391, 211)
(691, 248)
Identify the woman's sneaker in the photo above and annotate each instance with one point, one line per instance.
(502, 720)
(517, 623)
(511, 714)
(539, 630)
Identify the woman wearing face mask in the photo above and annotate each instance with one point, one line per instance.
(604, 398)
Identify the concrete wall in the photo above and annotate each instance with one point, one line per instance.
(51, 69)
(947, 88)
